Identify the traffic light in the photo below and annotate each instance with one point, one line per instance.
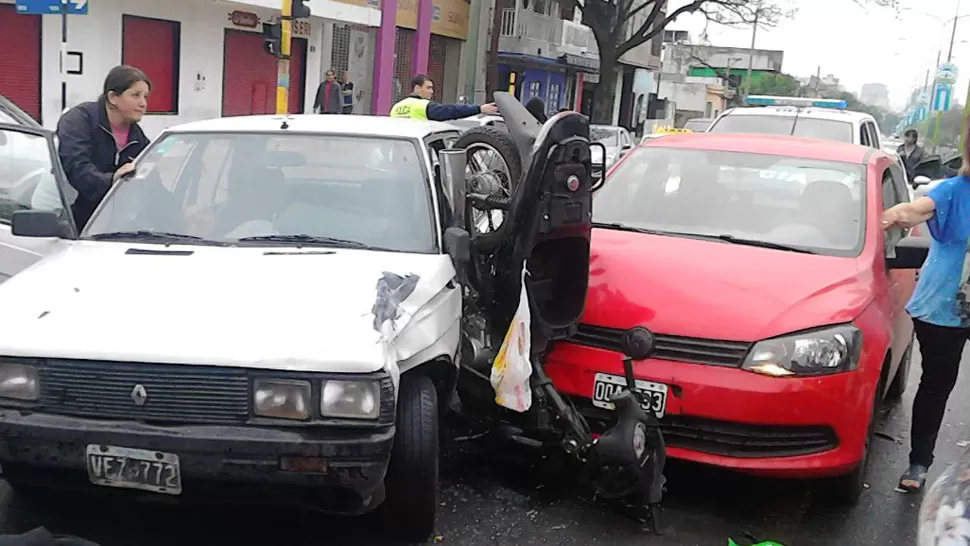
(299, 9)
(272, 36)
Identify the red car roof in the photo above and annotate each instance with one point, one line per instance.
(789, 146)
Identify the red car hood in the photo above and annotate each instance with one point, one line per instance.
(715, 290)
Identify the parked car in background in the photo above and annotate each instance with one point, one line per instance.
(664, 131)
(26, 181)
(615, 139)
(698, 125)
(825, 119)
(755, 369)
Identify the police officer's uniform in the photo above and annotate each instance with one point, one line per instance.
(411, 107)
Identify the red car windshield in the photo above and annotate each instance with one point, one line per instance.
(818, 206)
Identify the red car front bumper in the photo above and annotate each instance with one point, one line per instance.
(725, 416)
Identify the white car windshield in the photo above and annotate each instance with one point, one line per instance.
(824, 129)
(232, 187)
(816, 206)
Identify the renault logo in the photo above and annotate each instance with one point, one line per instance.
(139, 395)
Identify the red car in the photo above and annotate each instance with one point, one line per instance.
(776, 300)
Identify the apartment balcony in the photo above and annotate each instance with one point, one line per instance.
(528, 33)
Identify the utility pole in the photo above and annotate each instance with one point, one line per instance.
(276, 42)
(953, 35)
(754, 36)
(283, 65)
(491, 77)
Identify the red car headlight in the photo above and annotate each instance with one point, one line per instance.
(829, 350)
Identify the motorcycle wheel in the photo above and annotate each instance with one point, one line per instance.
(479, 141)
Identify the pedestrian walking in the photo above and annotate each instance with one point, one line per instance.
(97, 141)
(911, 152)
(940, 307)
(347, 91)
(537, 108)
(418, 105)
(329, 96)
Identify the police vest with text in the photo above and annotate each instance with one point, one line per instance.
(411, 107)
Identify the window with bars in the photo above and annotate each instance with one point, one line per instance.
(534, 88)
(403, 53)
(436, 65)
(340, 54)
(552, 105)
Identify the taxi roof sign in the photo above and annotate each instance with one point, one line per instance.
(800, 102)
(667, 130)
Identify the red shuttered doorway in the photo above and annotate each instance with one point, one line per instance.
(249, 75)
(20, 44)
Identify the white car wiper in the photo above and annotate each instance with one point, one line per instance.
(148, 235)
(304, 240)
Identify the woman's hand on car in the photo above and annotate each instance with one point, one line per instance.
(123, 170)
(907, 215)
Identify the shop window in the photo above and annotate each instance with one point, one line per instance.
(152, 46)
(534, 88)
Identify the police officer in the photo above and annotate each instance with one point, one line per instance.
(418, 104)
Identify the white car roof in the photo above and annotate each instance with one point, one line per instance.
(789, 111)
(380, 126)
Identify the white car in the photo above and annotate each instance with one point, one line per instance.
(824, 119)
(479, 120)
(265, 302)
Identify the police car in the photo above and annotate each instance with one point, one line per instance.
(825, 119)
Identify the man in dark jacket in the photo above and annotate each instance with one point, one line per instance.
(329, 96)
(418, 104)
(90, 154)
(911, 152)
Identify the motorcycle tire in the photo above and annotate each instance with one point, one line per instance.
(499, 140)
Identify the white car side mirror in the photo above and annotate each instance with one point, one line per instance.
(921, 180)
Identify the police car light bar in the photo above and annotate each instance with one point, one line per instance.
(801, 102)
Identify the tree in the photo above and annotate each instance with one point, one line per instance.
(621, 25)
(778, 85)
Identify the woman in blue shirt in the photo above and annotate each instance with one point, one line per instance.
(940, 308)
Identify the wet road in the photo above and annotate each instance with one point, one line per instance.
(489, 502)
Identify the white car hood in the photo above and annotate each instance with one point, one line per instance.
(270, 308)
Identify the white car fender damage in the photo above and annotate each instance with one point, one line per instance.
(418, 319)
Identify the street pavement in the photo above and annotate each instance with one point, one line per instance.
(491, 499)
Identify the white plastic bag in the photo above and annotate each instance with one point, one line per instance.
(512, 369)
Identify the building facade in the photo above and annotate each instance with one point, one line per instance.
(206, 59)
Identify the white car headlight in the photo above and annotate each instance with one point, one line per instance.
(351, 399)
(19, 382)
(281, 399)
(825, 351)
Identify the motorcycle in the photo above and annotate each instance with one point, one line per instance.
(536, 213)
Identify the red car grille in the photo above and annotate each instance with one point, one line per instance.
(676, 348)
(726, 438)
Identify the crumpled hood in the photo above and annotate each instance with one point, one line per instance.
(715, 290)
(273, 308)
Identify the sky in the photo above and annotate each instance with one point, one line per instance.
(857, 44)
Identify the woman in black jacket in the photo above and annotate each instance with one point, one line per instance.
(98, 140)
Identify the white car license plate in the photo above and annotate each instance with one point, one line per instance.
(606, 385)
(129, 468)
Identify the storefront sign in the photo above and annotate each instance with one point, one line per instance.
(244, 19)
(448, 18)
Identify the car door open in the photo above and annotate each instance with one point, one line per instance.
(32, 187)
